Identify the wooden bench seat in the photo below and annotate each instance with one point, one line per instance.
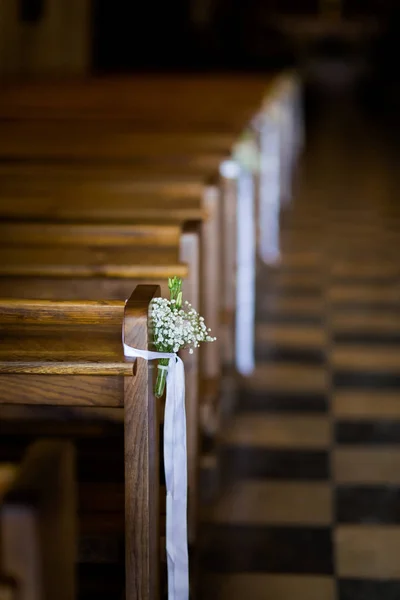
(69, 354)
(38, 529)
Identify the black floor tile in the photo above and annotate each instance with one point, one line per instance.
(302, 355)
(372, 338)
(358, 589)
(243, 461)
(274, 293)
(377, 282)
(300, 291)
(267, 402)
(208, 443)
(263, 315)
(377, 504)
(366, 380)
(367, 432)
(367, 304)
(269, 549)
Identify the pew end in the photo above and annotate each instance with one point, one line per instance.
(42, 374)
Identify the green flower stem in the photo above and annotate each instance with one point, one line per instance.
(161, 377)
(175, 290)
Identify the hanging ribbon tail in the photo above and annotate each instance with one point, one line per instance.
(175, 465)
(176, 482)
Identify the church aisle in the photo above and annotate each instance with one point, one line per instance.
(311, 505)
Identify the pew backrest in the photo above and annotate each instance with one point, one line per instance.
(89, 234)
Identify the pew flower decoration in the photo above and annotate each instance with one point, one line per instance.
(176, 325)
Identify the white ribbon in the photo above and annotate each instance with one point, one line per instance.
(269, 201)
(175, 465)
(246, 274)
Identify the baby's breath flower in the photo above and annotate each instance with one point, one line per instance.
(175, 328)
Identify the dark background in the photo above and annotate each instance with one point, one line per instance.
(234, 34)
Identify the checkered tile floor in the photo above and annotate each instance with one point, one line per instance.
(311, 508)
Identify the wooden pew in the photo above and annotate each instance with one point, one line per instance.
(51, 261)
(69, 355)
(47, 194)
(136, 103)
(99, 271)
(38, 544)
(184, 132)
(138, 109)
(191, 203)
(60, 193)
(113, 138)
(195, 137)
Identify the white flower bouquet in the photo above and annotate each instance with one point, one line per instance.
(176, 325)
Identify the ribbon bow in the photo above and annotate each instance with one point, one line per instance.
(175, 466)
